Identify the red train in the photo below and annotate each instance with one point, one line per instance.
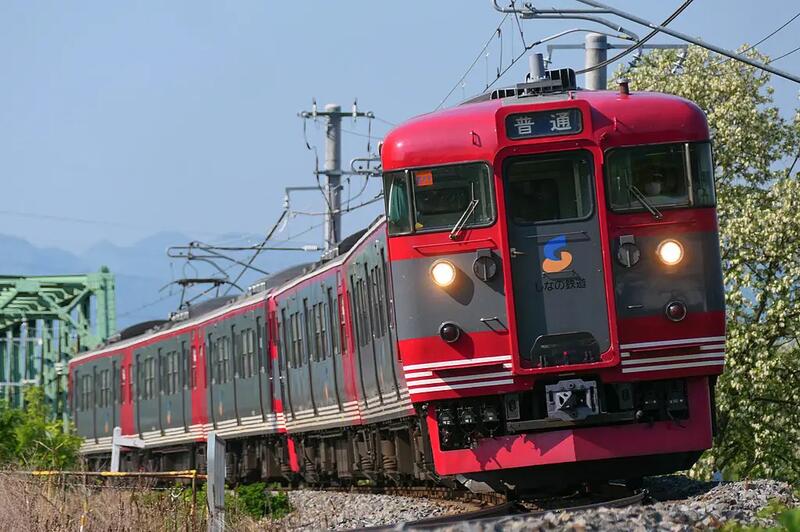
(542, 303)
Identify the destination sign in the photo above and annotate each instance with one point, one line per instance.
(543, 124)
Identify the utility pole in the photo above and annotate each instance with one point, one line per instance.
(333, 173)
(596, 51)
(333, 166)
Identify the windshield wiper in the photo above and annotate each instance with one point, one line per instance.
(643, 200)
(465, 216)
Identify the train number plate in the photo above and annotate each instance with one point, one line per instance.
(572, 399)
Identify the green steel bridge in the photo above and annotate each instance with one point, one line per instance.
(45, 321)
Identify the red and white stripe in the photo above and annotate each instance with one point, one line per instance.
(650, 356)
(484, 372)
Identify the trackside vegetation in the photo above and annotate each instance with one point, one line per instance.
(31, 439)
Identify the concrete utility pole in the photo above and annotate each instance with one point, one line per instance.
(333, 173)
(596, 51)
(333, 166)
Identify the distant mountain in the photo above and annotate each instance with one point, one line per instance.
(20, 257)
(141, 270)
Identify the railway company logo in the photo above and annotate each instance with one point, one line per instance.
(556, 258)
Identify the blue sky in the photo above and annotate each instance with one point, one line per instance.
(148, 116)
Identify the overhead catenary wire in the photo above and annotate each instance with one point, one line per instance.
(474, 62)
(790, 52)
(258, 251)
(693, 40)
(639, 43)
(764, 39)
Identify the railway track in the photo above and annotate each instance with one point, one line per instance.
(516, 509)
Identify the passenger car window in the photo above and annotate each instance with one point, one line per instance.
(550, 187)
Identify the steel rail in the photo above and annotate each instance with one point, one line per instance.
(502, 514)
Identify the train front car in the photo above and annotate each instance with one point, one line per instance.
(557, 281)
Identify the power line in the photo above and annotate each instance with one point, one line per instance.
(693, 40)
(379, 119)
(608, 61)
(258, 251)
(357, 134)
(475, 62)
(639, 43)
(790, 52)
(765, 38)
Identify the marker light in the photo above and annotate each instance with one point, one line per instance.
(443, 273)
(670, 252)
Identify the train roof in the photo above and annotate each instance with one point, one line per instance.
(473, 131)
(210, 308)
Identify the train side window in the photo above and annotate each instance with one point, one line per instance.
(369, 310)
(240, 354)
(232, 342)
(105, 389)
(322, 340)
(283, 345)
(123, 384)
(354, 310)
(333, 324)
(212, 356)
(149, 378)
(260, 347)
(250, 349)
(172, 373)
(308, 354)
(191, 375)
(387, 291)
(226, 357)
(340, 303)
(86, 392)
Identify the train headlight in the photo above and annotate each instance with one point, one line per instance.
(443, 273)
(670, 252)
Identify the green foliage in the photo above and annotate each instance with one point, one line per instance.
(257, 502)
(756, 150)
(254, 501)
(29, 438)
(788, 519)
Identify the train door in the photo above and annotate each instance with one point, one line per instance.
(263, 366)
(385, 359)
(248, 387)
(172, 393)
(185, 350)
(324, 389)
(335, 317)
(298, 371)
(147, 403)
(222, 391)
(362, 319)
(103, 404)
(556, 258)
(82, 381)
(283, 342)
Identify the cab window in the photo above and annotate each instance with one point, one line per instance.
(665, 175)
(552, 187)
(436, 199)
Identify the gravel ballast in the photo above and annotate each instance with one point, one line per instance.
(321, 510)
(678, 504)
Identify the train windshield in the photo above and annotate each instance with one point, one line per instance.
(657, 176)
(435, 199)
